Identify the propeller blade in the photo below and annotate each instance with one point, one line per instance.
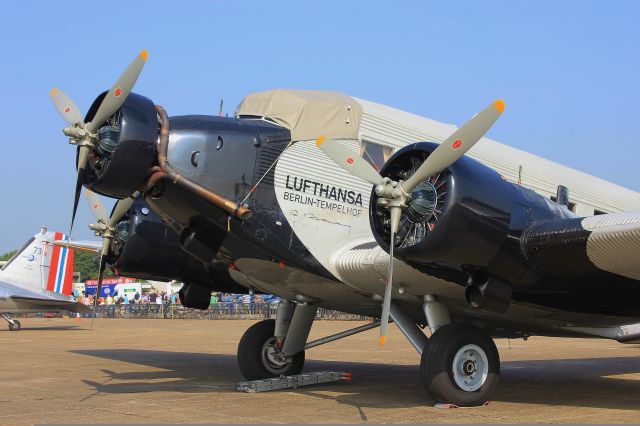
(120, 209)
(386, 303)
(96, 206)
(65, 107)
(103, 264)
(83, 156)
(456, 145)
(349, 160)
(118, 93)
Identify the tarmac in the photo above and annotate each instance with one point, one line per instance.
(184, 371)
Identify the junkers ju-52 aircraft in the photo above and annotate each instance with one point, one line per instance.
(301, 194)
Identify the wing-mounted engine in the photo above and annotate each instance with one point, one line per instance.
(144, 247)
(464, 224)
(136, 243)
(411, 198)
(458, 217)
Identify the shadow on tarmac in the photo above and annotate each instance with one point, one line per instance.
(563, 382)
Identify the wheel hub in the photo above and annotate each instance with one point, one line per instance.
(470, 368)
(272, 358)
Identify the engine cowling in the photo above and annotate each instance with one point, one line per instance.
(467, 225)
(459, 217)
(126, 148)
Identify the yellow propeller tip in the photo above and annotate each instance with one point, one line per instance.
(53, 91)
(382, 340)
(320, 141)
(144, 54)
(499, 104)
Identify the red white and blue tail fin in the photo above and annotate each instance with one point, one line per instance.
(60, 277)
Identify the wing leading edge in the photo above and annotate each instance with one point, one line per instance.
(579, 247)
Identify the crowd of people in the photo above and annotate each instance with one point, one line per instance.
(168, 305)
(157, 297)
(154, 298)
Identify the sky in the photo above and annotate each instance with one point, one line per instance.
(568, 72)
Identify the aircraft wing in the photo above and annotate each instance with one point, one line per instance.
(33, 303)
(578, 246)
(92, 246)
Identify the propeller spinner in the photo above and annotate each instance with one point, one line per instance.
(398, 194)
(84, 135)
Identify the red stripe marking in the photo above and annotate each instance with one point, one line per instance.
(53, 264)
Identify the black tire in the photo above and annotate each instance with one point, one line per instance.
(253, 363)
(15, 325)
(437, 366)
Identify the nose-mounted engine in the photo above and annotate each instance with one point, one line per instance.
(122, 152)
(125, 148)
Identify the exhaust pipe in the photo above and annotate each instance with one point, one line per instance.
(490, 295)
(167, 172)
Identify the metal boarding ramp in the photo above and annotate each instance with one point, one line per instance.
(293, 382)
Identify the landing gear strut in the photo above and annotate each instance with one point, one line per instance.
(14, 325)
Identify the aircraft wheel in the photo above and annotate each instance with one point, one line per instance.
(15, 325)
(258, 356)
(460, 366)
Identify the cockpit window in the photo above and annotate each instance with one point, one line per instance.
(375, 154)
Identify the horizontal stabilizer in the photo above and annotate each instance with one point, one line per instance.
(92, 246)
(32, 303)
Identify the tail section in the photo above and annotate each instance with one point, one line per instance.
(60, 277)
(25, 267)
(39, 265)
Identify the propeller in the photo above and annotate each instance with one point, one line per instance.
(84, 135)
(66, 108)
(105, 227)
(398, 194)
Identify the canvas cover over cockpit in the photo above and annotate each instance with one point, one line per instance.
(308, 114)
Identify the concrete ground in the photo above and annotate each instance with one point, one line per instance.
(175, 371)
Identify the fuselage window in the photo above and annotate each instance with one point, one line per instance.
(375, 154)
